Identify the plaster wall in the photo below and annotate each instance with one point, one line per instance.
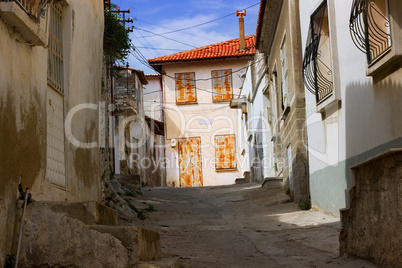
(359, 125)
(23, 93)
(204, 119)
(153, 98)
(256, 129)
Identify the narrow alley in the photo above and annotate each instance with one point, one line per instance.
(242, 225)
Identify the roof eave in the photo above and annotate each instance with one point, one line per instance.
(159, 63)
(267, 23)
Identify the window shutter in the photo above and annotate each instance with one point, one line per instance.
(185, 88)
(222, 85)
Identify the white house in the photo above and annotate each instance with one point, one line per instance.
(201, 131)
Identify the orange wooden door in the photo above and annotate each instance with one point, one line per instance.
(190, 162)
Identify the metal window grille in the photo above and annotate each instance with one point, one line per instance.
(55, 77)
(370, 27)
(317, 59)
(31, 7)
(222, 85)
(185, 88)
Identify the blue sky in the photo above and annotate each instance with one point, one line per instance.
(161, 16)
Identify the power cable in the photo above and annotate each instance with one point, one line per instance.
(200, 24)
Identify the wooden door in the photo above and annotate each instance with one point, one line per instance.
(190, 162)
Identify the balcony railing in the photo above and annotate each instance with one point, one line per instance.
(31, 7)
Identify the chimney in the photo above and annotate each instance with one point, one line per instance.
(241, 29)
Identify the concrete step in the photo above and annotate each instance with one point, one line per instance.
(143, 244)
(168, 263)
(240, 180)
(57, 234)
(273, 183)
(130, 181)
(246, 176)
(89, 213)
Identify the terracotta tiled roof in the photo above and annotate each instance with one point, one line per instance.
(227, 49)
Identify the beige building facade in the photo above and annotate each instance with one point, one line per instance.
(50, 80)
(278, 76)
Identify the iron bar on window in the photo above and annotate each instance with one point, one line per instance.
(317, 73)
(370, 27)
(55, 76)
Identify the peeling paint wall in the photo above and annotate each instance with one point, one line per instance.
(23, 116)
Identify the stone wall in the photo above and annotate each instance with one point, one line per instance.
(371, 222)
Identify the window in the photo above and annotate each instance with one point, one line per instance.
(225, 152)
(222, 85)
(285, 76)
(370, 27)
(55, 75)
(317, 63)
(185, 88)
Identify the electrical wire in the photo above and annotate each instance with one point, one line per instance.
(200, 24)
(171, 39)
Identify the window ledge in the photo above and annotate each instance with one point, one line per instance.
(186, 103)
(331, 99)
(17, 17)
(226, 170)
(383, 65)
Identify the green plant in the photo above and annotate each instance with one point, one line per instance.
(141, 214)
(150, 208)
(116, 41)
(130, 193)
(288, 191)
(304, 204)
(10, 261)
(138, 192)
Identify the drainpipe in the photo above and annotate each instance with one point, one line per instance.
(241, 29)
(21, 228)
(112, 114)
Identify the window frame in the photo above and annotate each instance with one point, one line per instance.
(176, 89)
(221, 75)
(233, 164)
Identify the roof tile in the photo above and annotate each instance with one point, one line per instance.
(227, 49)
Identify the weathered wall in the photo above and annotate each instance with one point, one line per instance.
(204, 119)
(23, 93)
(289, 142)
(22, 124)
(84, 84)
(362, 124)
(371, 223)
